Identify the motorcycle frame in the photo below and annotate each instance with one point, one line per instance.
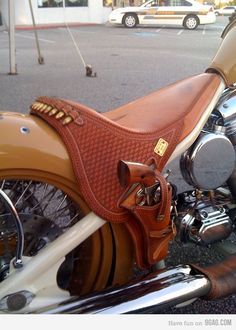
(26, 154)
(46, 263)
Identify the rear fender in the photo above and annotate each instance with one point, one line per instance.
(30, 147)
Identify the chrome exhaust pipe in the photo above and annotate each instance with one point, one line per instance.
(158, 290)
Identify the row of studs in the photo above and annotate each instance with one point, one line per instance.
(52, 111)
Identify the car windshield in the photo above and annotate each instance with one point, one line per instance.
(158, 3)
(150, 3)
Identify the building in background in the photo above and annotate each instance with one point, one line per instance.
(71, 11)
(58, 11)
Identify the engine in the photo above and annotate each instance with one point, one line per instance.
(211, 160)
(207, 165)
(207, 220)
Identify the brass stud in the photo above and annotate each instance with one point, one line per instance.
(60, 115)
(53, 112)
(160, 217)
(49, 108)
(67, 120)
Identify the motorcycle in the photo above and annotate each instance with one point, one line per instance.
(90, 202)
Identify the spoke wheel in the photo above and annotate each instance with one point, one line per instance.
(45, 213)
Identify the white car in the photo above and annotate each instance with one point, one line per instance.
(228, 10)
(187, 13)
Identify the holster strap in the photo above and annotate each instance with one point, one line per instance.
(150, 227)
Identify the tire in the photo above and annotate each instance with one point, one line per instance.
(191, 22)
(217, 13)
(130, 20)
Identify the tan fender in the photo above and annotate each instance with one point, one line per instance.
(224, 61)
(30, 147)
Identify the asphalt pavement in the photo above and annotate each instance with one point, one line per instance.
(128, 64)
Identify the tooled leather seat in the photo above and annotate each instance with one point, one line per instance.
(187, 99)
(146, 130)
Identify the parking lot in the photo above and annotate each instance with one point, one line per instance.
(129, 64)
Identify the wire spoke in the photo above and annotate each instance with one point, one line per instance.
(2, 185)
(48, 196)
(23, 193)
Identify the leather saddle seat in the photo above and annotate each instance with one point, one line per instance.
(186, 100)
(146, 130)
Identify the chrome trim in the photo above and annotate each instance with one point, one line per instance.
(212, 225)
(17, 262)
(24, 130)
(16, 301)
(227, 105)
(227, 111)
(157, 291)
(203, 174)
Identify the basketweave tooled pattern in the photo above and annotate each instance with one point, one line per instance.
(95, 145)
(110, 149)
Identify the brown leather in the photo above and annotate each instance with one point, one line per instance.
(96, 144)
(222, 277)
(184, 101)
(151, 229)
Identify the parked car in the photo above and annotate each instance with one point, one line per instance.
(187, 13)
(225, 11)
